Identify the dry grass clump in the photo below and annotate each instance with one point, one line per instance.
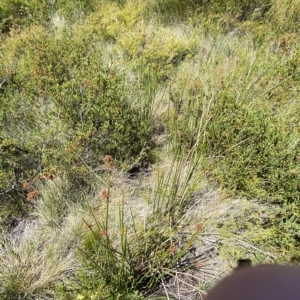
(33, 263)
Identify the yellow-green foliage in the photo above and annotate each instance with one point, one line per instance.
(158, 49)
(113, 20)
(151, 48)
(284, 16)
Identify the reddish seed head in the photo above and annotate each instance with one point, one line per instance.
(104, 194)
(103, 233)
(172, 249)
(48, 176)
(107, 158)
(33, 195)
(198, 226)
(108, 162)
(26, 185)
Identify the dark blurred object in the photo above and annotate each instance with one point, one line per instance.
(267, 282)
(243, 263)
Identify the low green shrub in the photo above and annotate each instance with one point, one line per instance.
(265, 233)
(158, 52)
(246, 118)
(112, 20)
(230, 13)
(169, 10)
(253, 151)
(20, 13)
(67, 105)
(74, 10)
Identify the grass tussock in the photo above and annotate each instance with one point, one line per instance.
(145, 146)
(32, 264)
